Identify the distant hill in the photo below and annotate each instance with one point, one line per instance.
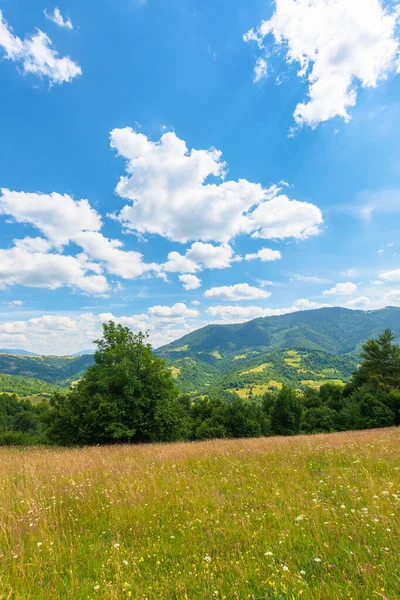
(16, 351)
(25, 386)
(303, 348)
(84, 353)
(333, 330)
(57, 370)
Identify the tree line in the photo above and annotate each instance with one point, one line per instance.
(129, 396)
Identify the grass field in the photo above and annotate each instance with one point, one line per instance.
(307, 517)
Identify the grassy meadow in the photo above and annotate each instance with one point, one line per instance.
(306, 517)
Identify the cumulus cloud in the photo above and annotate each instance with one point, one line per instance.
(58, 19)
(36, 55)
(265, 255)
(201, 256)
(240, 314)
(239, 291)
(338, 47)
(58, 216)
(342, 289)
(64, 220)
(52, 271)
(170, 193)
(125, 264)
(67, 334)
(190, 282)
(390, 275)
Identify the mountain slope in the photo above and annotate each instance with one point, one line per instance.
(325, 343)
(333, 330)
(58, 370)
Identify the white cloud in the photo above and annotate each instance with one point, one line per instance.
(342, 289)
(58, 19)
(30, 244)
(177, 263)
(239, 291)
(190, 282)
(199, 256)
(265, 255)
(305, 304)
(390, 275)
(178, 311)
(36, 55)
(310, 278)
(240, 314)
(58, 216)
(64, 334)
(260, 69)
(360, 302)
(52, 271)
(166, 184)
(366, 204)
(63, 220)
(338, 46)
(126, 264)
(16, 303)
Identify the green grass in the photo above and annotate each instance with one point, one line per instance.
(315, 517)
(317, 384)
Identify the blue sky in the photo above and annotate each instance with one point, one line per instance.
(172, 164)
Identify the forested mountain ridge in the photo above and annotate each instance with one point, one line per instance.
(333, 330)
(58, 370)
(299, 349)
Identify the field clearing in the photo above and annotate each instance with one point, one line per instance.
(258, 369)
(256, 389)
(317, 384)
(306, 517)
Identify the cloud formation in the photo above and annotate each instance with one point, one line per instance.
(342, 289)
(36, 55)
(58, 19)
(338, 46)
(170, 195)
(237, 292)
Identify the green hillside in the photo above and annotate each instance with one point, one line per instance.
(257, 373)
(333, 330)
(25, 386)
(246, 358)
(254, 356)
(57, 370)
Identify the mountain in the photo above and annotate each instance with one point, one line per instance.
(57, 370)
(302, 348)
(84, 352)
(333, 330)
(16, 351)
(25, 386)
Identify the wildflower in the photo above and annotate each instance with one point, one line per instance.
(317, 560)
(285, 568)
(96, 587)
(125, 562)
(269, 553)
(116, 545)
(207, 558)
(300, 518)
(302, 572)
(39, 544)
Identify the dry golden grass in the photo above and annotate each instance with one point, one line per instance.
(306, 517)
